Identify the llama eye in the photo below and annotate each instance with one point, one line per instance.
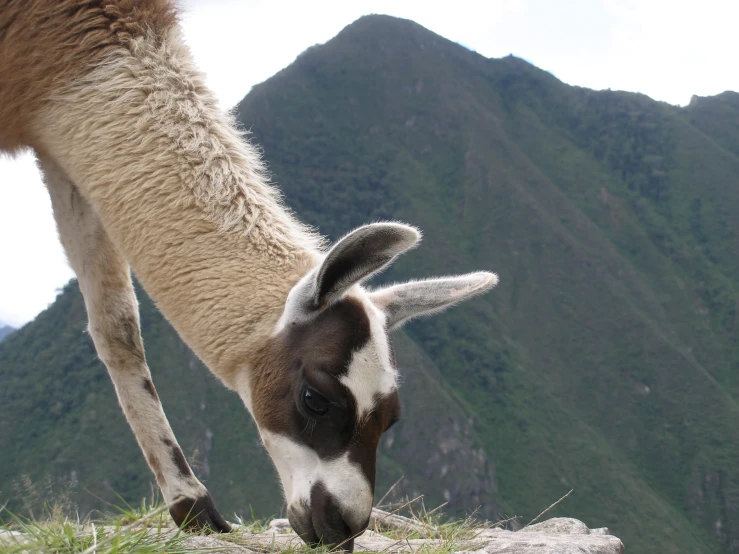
(315, 403)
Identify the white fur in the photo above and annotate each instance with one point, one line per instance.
(104, 280)
(300, 468)
(370, 371)
(295, 305)
(405, 301)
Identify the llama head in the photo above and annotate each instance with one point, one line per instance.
(328, 382)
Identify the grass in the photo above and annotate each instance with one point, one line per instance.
(147, 528)
(418, 523)
(53, 527)
(55, 534)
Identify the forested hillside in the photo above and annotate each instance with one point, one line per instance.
(605, 361)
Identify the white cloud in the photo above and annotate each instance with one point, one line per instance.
(669, 50)
(33, 263)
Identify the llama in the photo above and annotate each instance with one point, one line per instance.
(146, 173)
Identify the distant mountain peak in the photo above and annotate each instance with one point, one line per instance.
(376, 21)
(729, 96)
(391, 32)
(5, 330)
(398, 39)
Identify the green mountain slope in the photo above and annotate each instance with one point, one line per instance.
(605, 361)
(713, 116)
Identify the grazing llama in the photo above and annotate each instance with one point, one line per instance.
(145, 171)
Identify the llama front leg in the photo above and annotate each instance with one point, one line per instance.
(104, 279)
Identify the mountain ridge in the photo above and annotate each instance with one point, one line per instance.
(603, 362)
(597, 178)
(5, 330)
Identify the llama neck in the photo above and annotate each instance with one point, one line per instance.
(183, 197)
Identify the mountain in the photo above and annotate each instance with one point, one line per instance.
(604, 362)
(5, 330)
(606, 359)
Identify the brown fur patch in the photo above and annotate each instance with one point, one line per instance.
(363, 449)
(130, 337)
(315, 354)
(149, 387)
(322, 347)
(156, 468)
(178, 458)
(46, 43)
(330, 527)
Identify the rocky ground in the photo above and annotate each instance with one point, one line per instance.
(388, 533)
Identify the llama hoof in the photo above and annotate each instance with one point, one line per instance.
(198, 514)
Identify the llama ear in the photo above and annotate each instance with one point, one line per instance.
(358, 255)
(416, 298)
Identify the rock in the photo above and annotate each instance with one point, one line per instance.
(381, 520)
(209, 543)
(553, 536)
(10, 536)
(280, 525)
(546, 542)
(559, 526)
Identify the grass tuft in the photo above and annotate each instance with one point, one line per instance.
(142, 530)
(148, 528)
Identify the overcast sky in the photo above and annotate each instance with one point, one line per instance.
(668, 50)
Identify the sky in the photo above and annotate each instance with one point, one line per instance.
(669, 50)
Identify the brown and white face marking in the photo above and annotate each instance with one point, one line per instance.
(325, 386)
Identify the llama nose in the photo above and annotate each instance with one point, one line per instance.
(331, 526)
(300, 520)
